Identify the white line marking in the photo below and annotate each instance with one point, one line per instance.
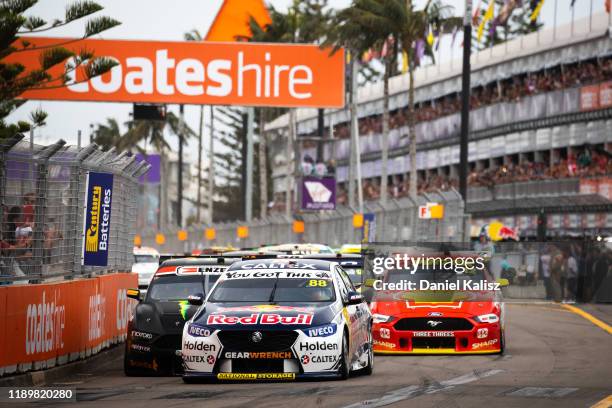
(415, 390)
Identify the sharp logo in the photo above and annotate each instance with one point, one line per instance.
(318, 192)
(433, 323)
(188, 345)
(318, 346)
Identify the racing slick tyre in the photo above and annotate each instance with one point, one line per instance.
(128, 370)
(345, 368)
(367, 370)
(502, 341)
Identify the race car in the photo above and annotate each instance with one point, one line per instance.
(154, 331)
(279, 319)
(438, 321)
(298, 249)
(146, 262)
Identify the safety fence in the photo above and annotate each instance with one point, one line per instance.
(397, 220)
(44, 325)
(554, 270)
(42, 192)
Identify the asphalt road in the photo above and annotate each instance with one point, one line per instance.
(554, 358)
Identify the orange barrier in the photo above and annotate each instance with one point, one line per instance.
(54, 323)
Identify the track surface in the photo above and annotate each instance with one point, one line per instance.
(554, 358)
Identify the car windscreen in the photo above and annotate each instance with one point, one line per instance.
(146, 259)
(355, 274)
(274, 290)
(178, 287)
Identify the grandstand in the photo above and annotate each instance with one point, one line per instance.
(540, 132)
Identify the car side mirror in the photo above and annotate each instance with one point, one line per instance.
(369, 283)
(133, 294)
(503, 282)
(196, 299)
(354, 298)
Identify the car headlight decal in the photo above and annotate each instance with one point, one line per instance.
(381, 318)
(487, 318)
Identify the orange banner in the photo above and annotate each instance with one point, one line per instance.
(605, 94)
(54, 323)
(246, 74)
(589, 97)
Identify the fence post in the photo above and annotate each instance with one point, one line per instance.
(5, 147)
(38, 235)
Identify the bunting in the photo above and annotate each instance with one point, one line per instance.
(536, 11)
(430, 37)
(488, 16)
(404, 62)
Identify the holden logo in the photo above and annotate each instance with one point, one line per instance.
(434, 314)
(256, 337)
(433, 323)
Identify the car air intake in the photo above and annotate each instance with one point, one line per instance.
(433, 343)
(433, 324)
(248, 340)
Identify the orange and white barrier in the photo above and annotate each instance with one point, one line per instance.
(54, 323)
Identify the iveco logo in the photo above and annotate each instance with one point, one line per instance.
(433, 323)
(256, 337)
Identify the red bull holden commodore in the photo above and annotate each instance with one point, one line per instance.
(279, 319)
(154, 332)
(464, 321)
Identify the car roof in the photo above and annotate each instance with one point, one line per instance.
(214, 260)
(145, 251)
(315, 248)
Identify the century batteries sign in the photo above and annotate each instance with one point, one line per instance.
(97, 219)
(206, 73)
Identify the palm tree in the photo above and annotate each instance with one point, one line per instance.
(306, 21)
(108, 135)
(368, 22)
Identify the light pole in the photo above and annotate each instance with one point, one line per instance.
(465, 100)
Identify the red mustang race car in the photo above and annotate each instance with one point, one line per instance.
(444, 313)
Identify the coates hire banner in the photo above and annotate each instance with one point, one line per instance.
(97, 218)
(209, 73)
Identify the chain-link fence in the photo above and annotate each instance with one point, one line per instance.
(42, 192)
(396, 221)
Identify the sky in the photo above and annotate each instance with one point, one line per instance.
(169, 20)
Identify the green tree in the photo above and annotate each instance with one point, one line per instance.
(109, 135)
(366, 22)
(15, 78)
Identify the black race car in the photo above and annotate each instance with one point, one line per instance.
(154, 332)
